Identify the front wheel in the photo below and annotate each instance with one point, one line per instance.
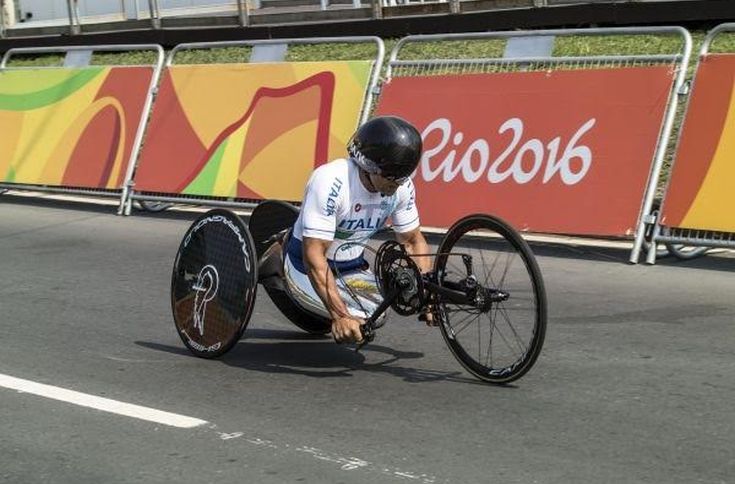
(499, 336)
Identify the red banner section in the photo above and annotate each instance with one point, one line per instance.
(560, 152)
(249, 130)
(700, 194)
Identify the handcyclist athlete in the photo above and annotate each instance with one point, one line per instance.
(345, 202)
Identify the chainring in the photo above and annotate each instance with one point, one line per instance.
(395, 268)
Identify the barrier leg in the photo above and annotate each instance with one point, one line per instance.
(652, 247)
(123, 200)
(638, 243)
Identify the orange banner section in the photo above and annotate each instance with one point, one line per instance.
(700, 194)
(249, 130)
(70, 127)
(561, 152)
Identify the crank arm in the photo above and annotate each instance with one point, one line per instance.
(368, 328)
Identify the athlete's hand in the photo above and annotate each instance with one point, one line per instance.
(347, 329)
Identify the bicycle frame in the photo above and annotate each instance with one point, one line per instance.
(465, 292)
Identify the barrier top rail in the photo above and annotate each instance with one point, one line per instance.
(682, 55)
(85, 48)
(712, 34)
(374, 76)
(298, 41)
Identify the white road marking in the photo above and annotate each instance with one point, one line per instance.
(234, 435)
(345, 463)
(99, 403)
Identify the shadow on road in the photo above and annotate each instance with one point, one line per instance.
(290, 352)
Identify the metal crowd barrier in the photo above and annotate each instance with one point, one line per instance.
(401, 64)
(83, 54)
(258, 51)
(698, 239)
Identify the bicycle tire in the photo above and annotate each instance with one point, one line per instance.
(213, 283)
(685, 252)
(154, 207)
(475, 235)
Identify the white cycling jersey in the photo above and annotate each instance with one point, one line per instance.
(338, 207)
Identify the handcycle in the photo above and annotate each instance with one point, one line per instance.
(485, 292)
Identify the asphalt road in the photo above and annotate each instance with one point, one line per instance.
(635, 383)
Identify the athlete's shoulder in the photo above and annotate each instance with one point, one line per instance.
(328, 171)
(329, 181)
(407, 190)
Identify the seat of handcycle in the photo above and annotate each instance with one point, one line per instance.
(270, 226)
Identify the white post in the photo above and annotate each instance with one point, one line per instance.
(74, 24)
(2, 19)
(155, 14)
(243, 12)
(377, 6)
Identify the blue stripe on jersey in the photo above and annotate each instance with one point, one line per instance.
(295, 251)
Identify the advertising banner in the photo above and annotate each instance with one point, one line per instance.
(70, 127)
(251, 131)
(700, 193)
(557, 151)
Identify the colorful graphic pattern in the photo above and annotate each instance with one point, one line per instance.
(700, 194)
(252, 131)
(565, 151)
(70, 127)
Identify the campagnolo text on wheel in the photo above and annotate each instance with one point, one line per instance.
(481, 286)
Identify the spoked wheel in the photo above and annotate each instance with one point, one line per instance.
(499, 336)
(214, 283)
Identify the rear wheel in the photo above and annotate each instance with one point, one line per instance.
(499, 337)
(213, 284)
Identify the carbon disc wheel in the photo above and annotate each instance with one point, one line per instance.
(499, 336)
(213, 284)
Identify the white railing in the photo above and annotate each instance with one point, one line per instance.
(77, 13)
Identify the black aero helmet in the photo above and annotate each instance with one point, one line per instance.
(386, 145)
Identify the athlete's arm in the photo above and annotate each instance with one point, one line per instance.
(415, 243)
(345, 328)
